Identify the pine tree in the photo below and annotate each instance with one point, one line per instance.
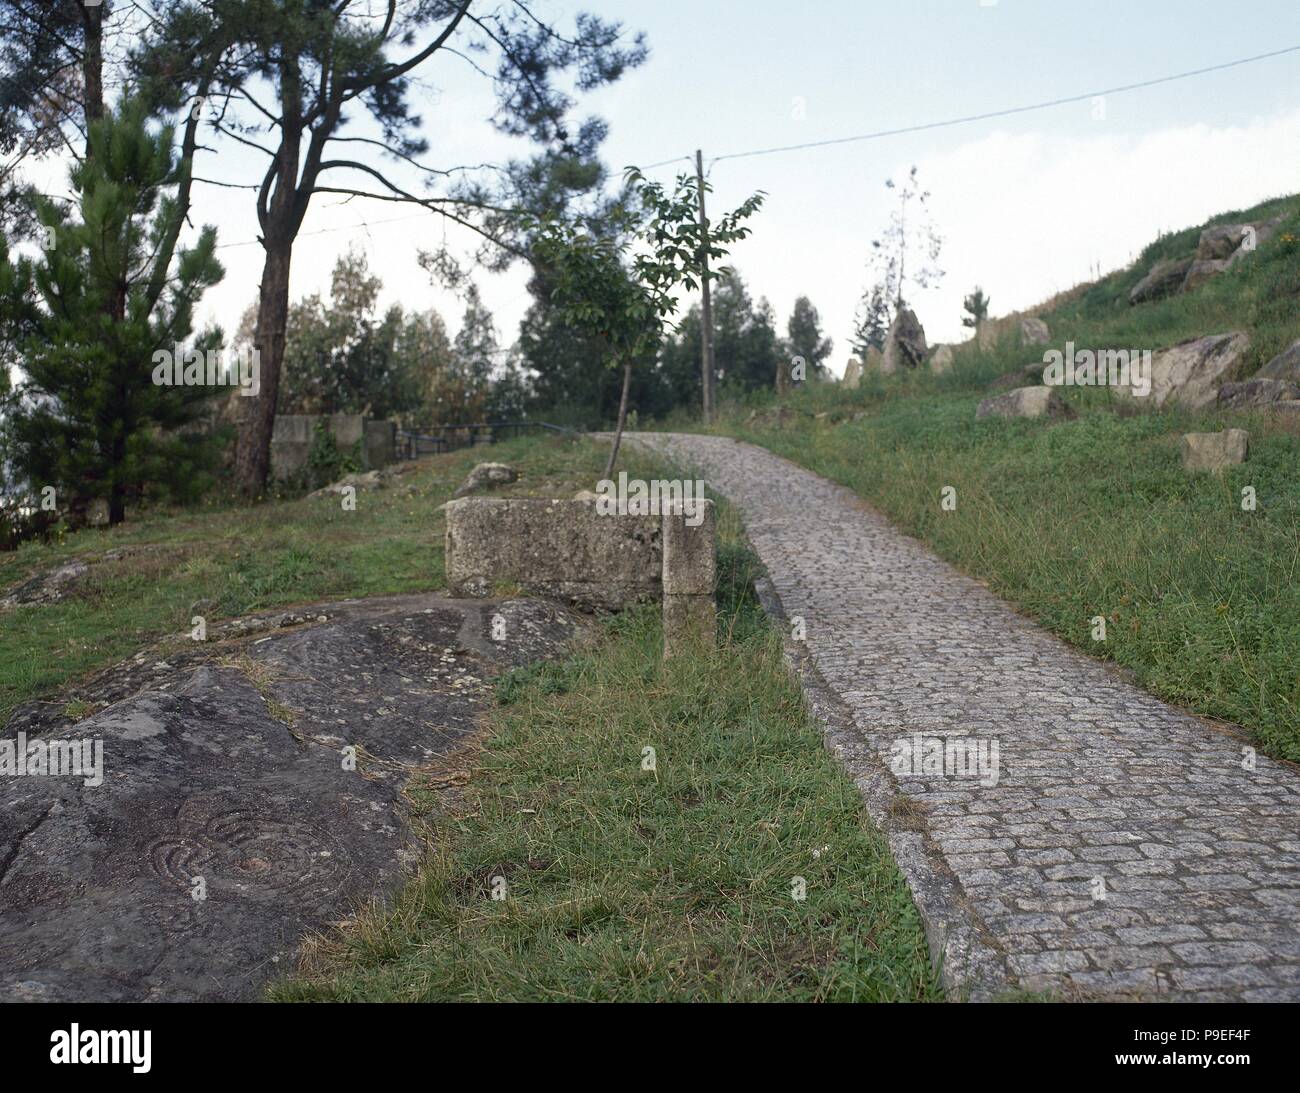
(976, 306)
(871, 322)
(88, 316)
(475, 350)
(804, 337)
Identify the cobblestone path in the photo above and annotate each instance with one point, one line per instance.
(1126, 848)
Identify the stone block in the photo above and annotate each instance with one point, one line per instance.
(1214, 451)
(380, 442)
(690, 622)
(564, 549)
(688, 558)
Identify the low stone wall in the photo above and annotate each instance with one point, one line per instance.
(568, 549)
(380, 442)
(292, 437)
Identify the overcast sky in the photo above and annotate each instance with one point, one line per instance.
(1027, 205)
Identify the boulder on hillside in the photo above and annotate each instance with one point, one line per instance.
(1027, 375)
(1222, 247)
(1034, 332)
(1257, 391)
(1024, 402)
(989, 333)
(52, 586)
(1214, 451)
(484, 475)
(1264, 231)
(1221, 241)
(1191, 372)
(941, 360)
(1163, 279)
(1219, 248)
(905, 343)
(1285, 366)
(1202, 270)
(1232, 242)
(367, 480)
(873, 361)
(852, 374)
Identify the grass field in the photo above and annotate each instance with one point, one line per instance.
(1094, 516)
(641, 885)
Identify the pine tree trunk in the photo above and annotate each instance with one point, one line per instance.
(253, 451)
(117, 491)
(116, 504)
(622, 419)
(92, 62)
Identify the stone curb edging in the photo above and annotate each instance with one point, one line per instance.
(970, 963)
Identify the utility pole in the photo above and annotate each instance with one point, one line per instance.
(706, 326)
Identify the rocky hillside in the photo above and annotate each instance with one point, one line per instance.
(1215, 304)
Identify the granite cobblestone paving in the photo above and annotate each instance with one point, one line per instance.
(1125, 850)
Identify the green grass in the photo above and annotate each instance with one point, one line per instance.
(636, 885)
(246, 559)
(1094, 516)
(1259, 295)
(622, 883)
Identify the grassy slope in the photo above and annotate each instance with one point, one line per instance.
(1094, 516)
(246, 559)
(642, 886)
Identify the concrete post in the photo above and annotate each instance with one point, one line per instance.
(689, 576)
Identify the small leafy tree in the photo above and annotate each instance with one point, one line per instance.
(976, 306)
(622, 287)
(88, 315)
(327, 462)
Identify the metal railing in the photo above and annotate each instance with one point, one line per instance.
(450, 438)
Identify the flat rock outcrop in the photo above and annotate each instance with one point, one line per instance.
(1191, 372)
(249, 794)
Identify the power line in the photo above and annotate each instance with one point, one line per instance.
(665, 162)
(1010, 111)
(964, 120)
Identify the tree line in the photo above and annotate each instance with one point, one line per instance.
(343, 354)
(141, 100)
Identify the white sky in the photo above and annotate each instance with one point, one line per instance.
(1027, 205)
